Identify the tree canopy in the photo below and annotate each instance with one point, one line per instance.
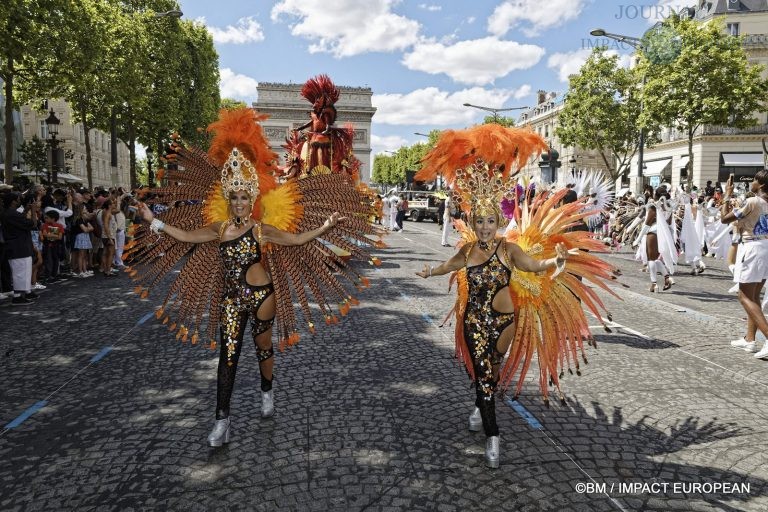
(601, 109)
(710, 82)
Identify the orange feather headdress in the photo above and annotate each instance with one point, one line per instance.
(478, 161)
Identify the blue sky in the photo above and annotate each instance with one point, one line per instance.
(421, 58)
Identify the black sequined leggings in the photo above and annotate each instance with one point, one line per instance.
(485, 356)
(233, 322)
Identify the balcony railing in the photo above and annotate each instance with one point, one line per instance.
(674, 135)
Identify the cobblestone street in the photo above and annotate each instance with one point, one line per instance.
(372, 414)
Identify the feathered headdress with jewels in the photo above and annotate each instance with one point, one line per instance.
(197, 195)
(477, 163)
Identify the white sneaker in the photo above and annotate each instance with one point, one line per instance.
(734, 288)
(38, 286)
(6, 295)
(750, 347)
(740, 343)
(763, 354)
(88, 272)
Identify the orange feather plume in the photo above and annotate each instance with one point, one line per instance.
(510, 148)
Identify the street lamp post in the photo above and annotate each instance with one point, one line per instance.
(494, 111)
(150, 175)
(52, 123)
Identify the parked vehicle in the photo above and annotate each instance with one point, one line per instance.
(422, 205)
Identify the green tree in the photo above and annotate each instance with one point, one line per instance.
(92, 77)
(230, 104)
(710, 82)
(600, 112)
(35, 153)
(199, 80)
(378, 173)
(28, 57)
(507, 122)
(183, 85)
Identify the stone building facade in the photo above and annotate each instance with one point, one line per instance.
(288, 110)
(717, 150)
(72, 136)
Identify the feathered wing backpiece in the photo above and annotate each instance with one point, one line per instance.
(193, 198)
(315, 269)
(549, 307)
(550, 321)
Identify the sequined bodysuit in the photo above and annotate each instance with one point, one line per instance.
(239, 301)
(482, 328)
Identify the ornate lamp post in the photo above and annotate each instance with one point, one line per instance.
(150, 174)
(52, 122)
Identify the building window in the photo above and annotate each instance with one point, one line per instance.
(546, 130)
(82, 133)
(732, 29)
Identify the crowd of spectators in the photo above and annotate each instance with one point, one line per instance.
(52, 234)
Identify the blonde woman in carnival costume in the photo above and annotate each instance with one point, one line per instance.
(245, 244)
(512, 288)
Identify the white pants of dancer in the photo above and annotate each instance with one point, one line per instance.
(119, 246)
(446, 228)
(21, 272)
(393, 218)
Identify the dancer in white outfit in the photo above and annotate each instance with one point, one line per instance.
(752, 257)
(447, 221)
(659, 245)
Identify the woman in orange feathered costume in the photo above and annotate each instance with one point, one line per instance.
(232, 236)
(511, 291)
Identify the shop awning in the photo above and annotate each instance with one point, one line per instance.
(682, 163)
(68, 178)
(741, 159)
(657, 167)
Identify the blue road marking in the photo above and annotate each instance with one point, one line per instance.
(426, 317)
(404, 296)
(145, 318)
(101, 354)
(525, 413)
(26, 414)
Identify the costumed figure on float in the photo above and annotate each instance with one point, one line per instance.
(245, 245)
(512, 293)
(323, 147)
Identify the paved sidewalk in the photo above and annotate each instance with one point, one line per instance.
(371, 415)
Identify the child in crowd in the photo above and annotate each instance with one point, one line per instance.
(52, 234)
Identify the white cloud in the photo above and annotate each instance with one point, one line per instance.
(432, 107)
(430, 7)
(536, 16)
(522, 92)
(382, 144)
(236, 86)
(471, 19)
(348, 27)
(247, 30)
(476, 62)
(570, 63)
